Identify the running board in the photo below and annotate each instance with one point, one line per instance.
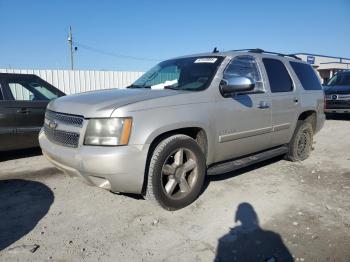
(245, 161)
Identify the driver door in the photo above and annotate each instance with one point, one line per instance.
(245, 118)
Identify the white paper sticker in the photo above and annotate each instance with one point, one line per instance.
(210, 60)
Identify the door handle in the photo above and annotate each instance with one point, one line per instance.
(23, 111)
(263, 105)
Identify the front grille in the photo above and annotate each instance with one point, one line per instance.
(63, 129)
(60, 137)
(64, 118)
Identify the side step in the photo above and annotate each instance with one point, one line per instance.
(245, 161)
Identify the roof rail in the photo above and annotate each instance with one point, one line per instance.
(260, 51)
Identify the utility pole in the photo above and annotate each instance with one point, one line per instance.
(70, 43)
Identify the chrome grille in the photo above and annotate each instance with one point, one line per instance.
(60, 137)
(64, 118)
(63, 129)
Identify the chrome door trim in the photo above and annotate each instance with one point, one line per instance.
(245, 134)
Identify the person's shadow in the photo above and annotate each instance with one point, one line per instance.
(249, 242)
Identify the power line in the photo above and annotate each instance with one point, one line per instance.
(108, 53)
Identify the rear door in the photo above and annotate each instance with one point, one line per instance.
(30, 96)
(284, 100)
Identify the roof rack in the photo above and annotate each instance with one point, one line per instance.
(260, 51)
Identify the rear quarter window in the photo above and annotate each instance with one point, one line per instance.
(306, 76)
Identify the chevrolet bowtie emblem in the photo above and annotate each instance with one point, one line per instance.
(53, 124)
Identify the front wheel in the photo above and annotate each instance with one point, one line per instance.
(176, 172)
(300, 146)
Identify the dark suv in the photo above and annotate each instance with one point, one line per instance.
(337, 93)
(23, 101)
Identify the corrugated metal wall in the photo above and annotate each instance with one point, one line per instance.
(76, 81)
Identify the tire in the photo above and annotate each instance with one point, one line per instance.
(300, 146)
(176, 172)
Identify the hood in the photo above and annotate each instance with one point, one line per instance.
(337, 89)
(102, 103)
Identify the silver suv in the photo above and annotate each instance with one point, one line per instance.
(186, 118)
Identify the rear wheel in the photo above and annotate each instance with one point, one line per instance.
(176, 172)
(300, 146)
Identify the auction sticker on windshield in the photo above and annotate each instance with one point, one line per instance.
(211, 60)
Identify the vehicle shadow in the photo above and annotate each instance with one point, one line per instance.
(338, 117)
(249, 242)
(23, 204)
(16, 154)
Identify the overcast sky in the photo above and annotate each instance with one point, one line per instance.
(133, 35)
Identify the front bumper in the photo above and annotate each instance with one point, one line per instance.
(119, 169)
(337, 110)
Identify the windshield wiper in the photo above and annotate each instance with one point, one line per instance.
(138, 86)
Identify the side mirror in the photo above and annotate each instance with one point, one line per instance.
(236, 84)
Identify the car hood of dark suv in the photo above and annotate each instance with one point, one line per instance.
(337, 89)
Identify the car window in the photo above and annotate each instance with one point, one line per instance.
(244, 66)
(278, 76)
(1, 95)
(340, 79)
(30, 90)
(306, 76)
(189, 73)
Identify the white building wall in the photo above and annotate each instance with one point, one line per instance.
(77, 81)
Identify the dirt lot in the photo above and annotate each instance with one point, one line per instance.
(302, 210)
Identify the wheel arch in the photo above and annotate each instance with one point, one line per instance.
(309, 115)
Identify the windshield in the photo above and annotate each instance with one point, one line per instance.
(191, 73)
(341, 79)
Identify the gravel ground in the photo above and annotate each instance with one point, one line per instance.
(298, 211)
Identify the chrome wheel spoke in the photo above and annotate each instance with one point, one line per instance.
(170, 186)
(189, 165)
(168, 170)
(184, 186)
(179, 157)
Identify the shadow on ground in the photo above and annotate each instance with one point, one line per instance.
(16, 154)
(249, 242)
(23, 204)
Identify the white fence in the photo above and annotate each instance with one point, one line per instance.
(77, 81)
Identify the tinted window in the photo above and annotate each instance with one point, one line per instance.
(306, 76)
(244, 66)
(340, 79)
(277, 73)
(1, 96)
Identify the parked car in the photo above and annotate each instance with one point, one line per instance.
(337, 92)
(184, 119)
(23, 101)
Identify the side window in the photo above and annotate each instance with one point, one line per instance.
(244, 66)
(20, 92)
(29, 90)
(278, 75)
(306, 76)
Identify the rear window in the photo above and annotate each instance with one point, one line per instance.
(278, 75)
(306, 76)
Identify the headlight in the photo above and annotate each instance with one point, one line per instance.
(108, 132)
